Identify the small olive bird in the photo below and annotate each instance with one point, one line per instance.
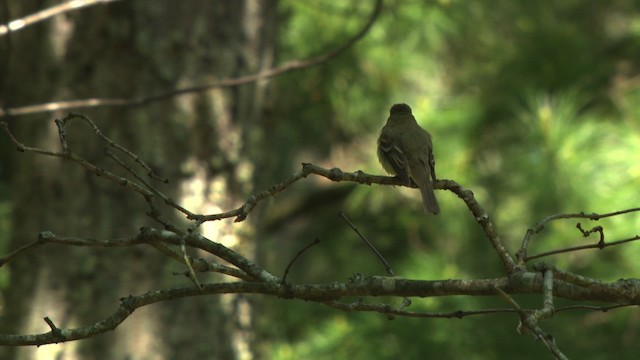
(405, 150)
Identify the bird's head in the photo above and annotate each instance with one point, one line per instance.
(400, 109)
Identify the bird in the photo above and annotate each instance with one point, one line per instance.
(406, 151)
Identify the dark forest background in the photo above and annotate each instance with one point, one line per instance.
(533, 105)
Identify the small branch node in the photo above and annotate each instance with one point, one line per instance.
(55, 331)
(43, 236)
(336, 174)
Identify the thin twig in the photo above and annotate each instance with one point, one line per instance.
(599, 245)
(316, 241)
(69, 155)
(147, 190)
(148, 185)
(70, 117)
(389, 310)
(19, 24)
(369, 244)
(528, 321)
(522, 253)
(141, 101)
(47, 237)
(594, 307)
(335, 174)
(547, 297)
(187, 262)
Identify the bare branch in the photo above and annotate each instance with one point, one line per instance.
(141, 101)
(212, 247)
(528, 322)
(546, 280)
(47, 237)
(593, 307)
(307, 247)
(322, 293)
(242, 212)
(19, 24)
(389, 310)
(369, 244)
(143, 187)
(599, 245)
(522, 253)
(187, 261)
(69, 155)
(335, 174)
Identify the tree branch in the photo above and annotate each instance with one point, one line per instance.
(19, 24)
(322, 293)
(141, 101)
(546, 279)
(522, 254)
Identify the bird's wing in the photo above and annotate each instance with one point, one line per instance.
(432, 165)
(396, 158)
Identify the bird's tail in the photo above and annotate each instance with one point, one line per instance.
(422, 177)
(429, 198)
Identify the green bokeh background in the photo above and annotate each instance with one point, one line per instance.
(531, 105)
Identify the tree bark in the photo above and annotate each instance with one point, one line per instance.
(130, 49)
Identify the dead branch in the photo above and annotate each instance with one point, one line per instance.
(169, 94)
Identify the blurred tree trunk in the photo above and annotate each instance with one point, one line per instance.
(202, 143)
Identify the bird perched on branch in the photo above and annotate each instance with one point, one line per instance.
(405, 150)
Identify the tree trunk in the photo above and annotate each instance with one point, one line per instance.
(201, 143)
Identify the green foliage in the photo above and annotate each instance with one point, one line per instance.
(533, 105)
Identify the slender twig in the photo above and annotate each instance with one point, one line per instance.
(335, 174)
(148, 185)
(141, 101)
(369, 244)
(52, 326)
(243, 211)
(522, 253)
(8, 57)
(187, 261)
(10, 256)
(143, 187)
(586, 233)
(69, 155)
(70, 117)
(200, 264)
(264, 282)
(594, 307)
(482, 218)
(547, 297)
(19, 24)
(222, 269)
(509, 299)
(316, 241)
(389, 310)
(599, 245)
(212, 247)
(529, 321)
(47, 237)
